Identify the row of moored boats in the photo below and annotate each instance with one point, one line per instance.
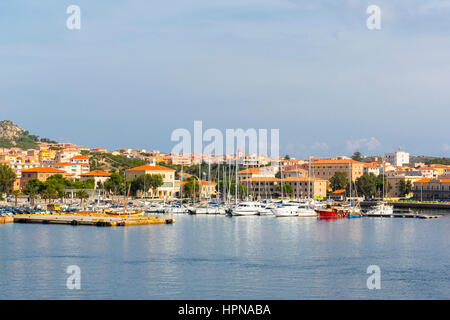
(305, 208)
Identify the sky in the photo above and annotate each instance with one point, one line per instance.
(137, 70)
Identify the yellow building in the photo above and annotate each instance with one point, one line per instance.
(269, 187)
(395, 182)
(40, 173)
(325, 169)
(167, 190)
(46, 155)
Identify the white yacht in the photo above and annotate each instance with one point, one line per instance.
(381, 209)
(306, 210)
(266, 209)
(177, 209)
(154, 208)
(289, 209)
(247, 208)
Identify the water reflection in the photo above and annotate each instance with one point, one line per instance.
(217, 257)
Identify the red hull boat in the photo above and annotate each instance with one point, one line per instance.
(330, 213)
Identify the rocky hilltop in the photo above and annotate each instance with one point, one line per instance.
(10, 131)
(11, 135)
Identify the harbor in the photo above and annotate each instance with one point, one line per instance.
(91, 220)
(224, 257)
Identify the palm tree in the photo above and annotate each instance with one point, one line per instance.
(82, 195)
(16, 194)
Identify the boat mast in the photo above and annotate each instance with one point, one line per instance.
(236, 182)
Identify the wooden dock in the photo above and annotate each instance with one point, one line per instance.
(6, 219)
(94, 220)
(402, 215)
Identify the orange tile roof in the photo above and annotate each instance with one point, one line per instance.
(425, 180)
(298, 169)
(340, 161)
(202, 182)
(97, 173)
(372, 165)
(44, 169)
(339, 191)
(64, 164)
(250, 170)
(426, 168)
(80, 157)
(150, 168)
(261, 179)
(302, 179)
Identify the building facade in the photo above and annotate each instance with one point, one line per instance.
(429, 189)
(326, 169)
(167, 191)
(40, 173)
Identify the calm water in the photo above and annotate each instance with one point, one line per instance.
(217, 257)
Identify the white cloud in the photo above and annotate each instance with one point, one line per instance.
(368, 144)
(320, 146)
(446, 147)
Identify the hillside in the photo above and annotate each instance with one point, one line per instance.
(108, 162)
(12, 135)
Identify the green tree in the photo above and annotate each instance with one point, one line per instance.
(50, 192)
(286, 189)
(7, 178)
(339, 181)
(54, 187)
(367, 185)
(241, 190)
(115, 183)
(357, 156)
(145, 182)
(33, 188)
(82, 195)
(405, 187)
(191, 186)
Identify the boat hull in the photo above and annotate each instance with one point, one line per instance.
(330, 214)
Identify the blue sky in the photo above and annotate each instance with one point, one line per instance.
(137, 70)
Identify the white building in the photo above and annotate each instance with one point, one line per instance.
(398, 158)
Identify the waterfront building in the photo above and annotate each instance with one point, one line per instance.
(100, 177)
(293, 171)
(40, 173)
(429, 189)
(269, 187)
(394, 191)
(167, 191)
(208, 189)
(326, 169)
(258, 172)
